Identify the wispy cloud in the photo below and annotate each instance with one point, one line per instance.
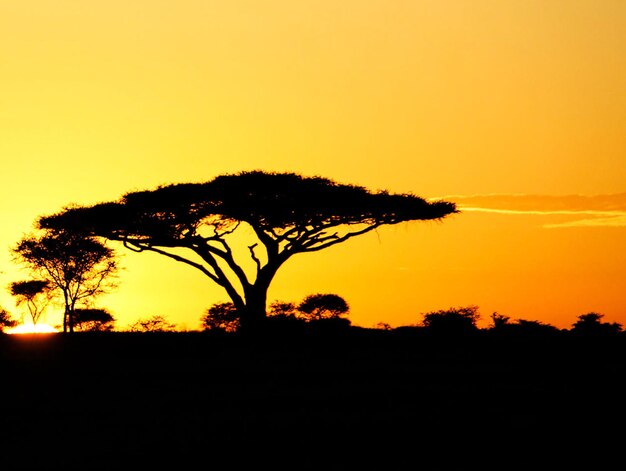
(585, 210)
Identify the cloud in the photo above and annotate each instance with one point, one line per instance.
(585, 210)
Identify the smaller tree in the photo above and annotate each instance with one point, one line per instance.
(221, 317)
(93, 320)
(282, 309)
(80, 267)
(383, 326)
(591, 323)
(153, 324)
(316, 307)
(6, 321)
(499, 320)
(532, 327)
(454, 320)
(36, 294)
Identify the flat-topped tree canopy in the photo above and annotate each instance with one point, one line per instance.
(289, 214)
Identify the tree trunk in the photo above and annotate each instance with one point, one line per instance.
(68, 319)
(65, 320)
(253, 315)
(66, 313)
(71, 314)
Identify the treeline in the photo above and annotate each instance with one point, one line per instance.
(329, 312)
(464, 321)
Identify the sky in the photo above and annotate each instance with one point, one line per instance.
(515, 110)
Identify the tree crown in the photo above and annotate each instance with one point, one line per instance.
(28, 289)
(323, 305)
(272, 202)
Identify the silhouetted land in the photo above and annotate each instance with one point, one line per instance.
(359, 399)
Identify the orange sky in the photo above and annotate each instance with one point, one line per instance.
(516, 110)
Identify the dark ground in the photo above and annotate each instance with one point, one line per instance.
(353, 400)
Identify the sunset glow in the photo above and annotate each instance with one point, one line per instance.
(516, 110)
(32, 329)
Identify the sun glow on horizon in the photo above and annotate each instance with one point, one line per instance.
(32, 329)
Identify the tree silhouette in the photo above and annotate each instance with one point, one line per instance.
(591, 324)
(221, 316)
(457, 320)
(528, 328)
(282, 309)
(34, 293)
(93, 319)
(6, 321)
(153, 324)
(383, 326)
(200, 224)
(316, 307)
(77, 265)
(499, 320)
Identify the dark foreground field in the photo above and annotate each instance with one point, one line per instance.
(354, 400)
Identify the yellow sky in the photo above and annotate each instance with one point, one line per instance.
(475, 99)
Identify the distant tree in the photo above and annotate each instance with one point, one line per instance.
(383, 326)
(34, 293)
(591, 323)
(6, 321)
(524, 326)
(283, 317)
(453, 320)
(222, 317)
(282, 309)
(153, 324)
(316, 307)
(198, 224)
(78, 266)
(93, 320)
(499, 320)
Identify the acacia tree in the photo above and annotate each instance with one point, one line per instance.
(77, 265)
(93, 319)
(453, 320)
(222, 317)
(6, 321)
(200, 224)
(34, 293)
(155, 323)
(320, 306)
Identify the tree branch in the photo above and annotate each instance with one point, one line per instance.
(178, 258)
(255, 258)
(337, 240)
(227, 256)
(130, 245)
(207, 252)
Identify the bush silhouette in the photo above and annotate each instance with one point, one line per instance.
(459, 320)
(6, 321)
(221, 317)
(591, 324)
(93, 320)
(316, 307)
(153, 324)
